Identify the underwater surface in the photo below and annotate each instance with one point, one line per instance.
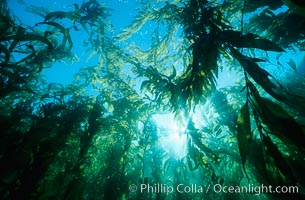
(152, 99)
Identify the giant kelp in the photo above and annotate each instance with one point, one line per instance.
(93, 138)
(213, 36)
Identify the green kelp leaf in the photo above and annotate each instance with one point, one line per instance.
(256, 159)
(193, 157)
(297, 165)
(250, 40)
(25, 38)
(280, 123)
(192, 164)
(5, 24)
(196, 138)
(296, 6)
(174, 73)
(261, 76)
(278, 158)
(6, 57)
(272, 175)
(135, 26)
(28, 57)
(244, 135)
(73, 16)
(64, 31)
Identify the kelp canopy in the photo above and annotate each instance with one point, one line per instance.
(99, 137)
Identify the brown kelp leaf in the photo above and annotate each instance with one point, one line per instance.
(250, 40)
(196, 138)
(194, 157)
(261, 76)
(30, 56)
(256, 158)
(26, 37)
(272, 174)
(244, 135)
(64, 31)
(73, 16)
(280, 123)
(278, 158)
(5, 24)
(296, 6)
(7, 55)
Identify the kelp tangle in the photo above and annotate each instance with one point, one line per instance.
(96, 137)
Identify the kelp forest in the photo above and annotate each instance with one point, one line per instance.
(209, 105)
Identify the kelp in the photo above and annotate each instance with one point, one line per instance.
(282, 27)
(297, 7)
(169, 13)
(61, 14)
(28, 57)
(25, 37)
(5, 24)
(244, 134)
(249, 40)
(141, 19)
(206, 46)
(272, 119)
(210, 36)
(279, 159)
(64, 31)
(42, 136)
(280, 123)
(261, 76)
(87, 13)
(94, 138)
(252, 5)
(7, 55)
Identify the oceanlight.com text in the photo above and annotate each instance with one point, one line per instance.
(215, 188)
(258, 189)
